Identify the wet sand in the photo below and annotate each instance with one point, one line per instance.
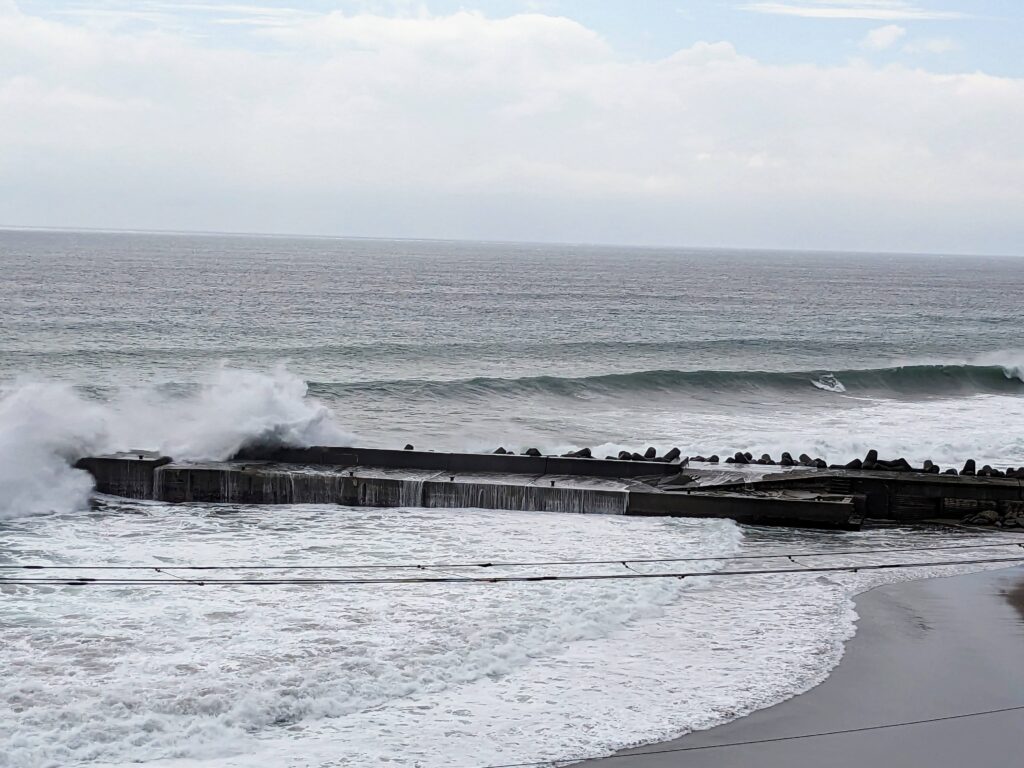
(923, 649)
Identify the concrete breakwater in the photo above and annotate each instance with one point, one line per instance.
(801, 496)
(380, 478)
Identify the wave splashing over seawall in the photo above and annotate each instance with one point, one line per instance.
(45, 427)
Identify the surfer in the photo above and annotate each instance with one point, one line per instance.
(829, 383)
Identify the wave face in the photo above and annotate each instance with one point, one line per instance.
(903, 381)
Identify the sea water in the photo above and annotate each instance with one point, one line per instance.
(197, 345)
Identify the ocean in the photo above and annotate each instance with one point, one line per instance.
(198, 344)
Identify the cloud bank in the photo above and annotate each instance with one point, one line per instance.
(525, 127)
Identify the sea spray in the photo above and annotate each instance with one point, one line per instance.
(231, 408)
(45, 427)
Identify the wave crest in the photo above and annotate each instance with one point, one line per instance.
(904, 380)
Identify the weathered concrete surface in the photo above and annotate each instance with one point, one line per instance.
(128, 474)
(355, 484)
(783, 508)
(272, 483)
(892, 495)
(460, 462)
(374, 477)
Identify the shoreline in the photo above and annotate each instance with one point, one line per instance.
(931, 648)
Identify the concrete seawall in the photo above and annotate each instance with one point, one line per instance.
(460, 462)
(882, 495)
(130, 474)
(386, 478)
(904, 496)
(360, 477)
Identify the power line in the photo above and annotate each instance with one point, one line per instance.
(818, 734)
(488, 564)
(87, 581)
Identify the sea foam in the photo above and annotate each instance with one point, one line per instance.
(438, 675)
(175, 674)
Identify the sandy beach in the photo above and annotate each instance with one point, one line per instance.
(923, 649)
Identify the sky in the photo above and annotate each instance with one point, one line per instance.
(875, 125)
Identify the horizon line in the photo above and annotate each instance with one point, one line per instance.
(557, 243)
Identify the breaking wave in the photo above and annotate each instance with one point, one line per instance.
(45, 427)
(903, 381)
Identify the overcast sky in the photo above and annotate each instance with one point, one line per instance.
(890, 125)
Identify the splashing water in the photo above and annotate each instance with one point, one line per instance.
(232, 408)
(45, 427)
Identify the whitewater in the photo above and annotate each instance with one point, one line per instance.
(196, 346)
(45, 426)
(427, 675)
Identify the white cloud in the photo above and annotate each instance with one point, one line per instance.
(230, 13)
(937, 45)
(877, 10)
(526, 127)
(883, 37)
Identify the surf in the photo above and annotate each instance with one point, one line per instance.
(46, 426)
(918, 380)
